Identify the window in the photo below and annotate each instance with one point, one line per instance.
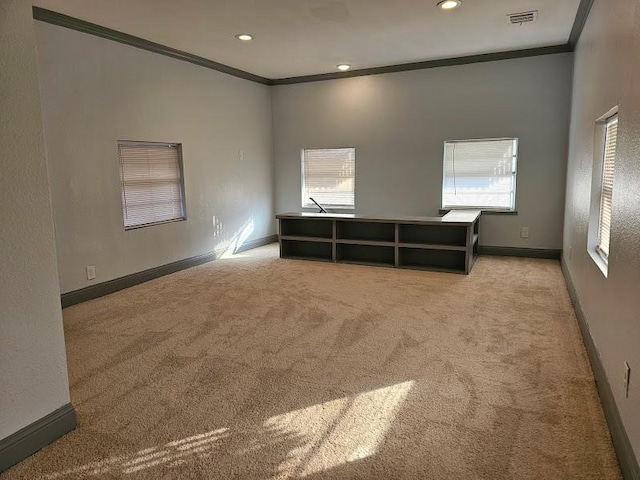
(151, 182)
(328, 176)
(480, 174)
(606, 193)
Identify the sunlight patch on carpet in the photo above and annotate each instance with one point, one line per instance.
(172, 453)
(339, 431)
(328, 434)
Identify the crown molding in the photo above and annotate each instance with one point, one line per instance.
(578, 25)
(445, 62)
(55, 18)
(72, 23)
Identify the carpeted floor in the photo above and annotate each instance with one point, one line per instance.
(260, 368)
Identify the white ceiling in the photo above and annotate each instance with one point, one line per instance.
(305, 37)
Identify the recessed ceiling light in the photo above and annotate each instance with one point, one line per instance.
(449, 4)
(343, 67)
(245, 37)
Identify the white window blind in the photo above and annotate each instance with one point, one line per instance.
(480, 174)
(608, 164)
(151, 180)
(328, 176)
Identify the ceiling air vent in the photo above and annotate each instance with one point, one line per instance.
(524, 17)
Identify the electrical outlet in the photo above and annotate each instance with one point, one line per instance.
(91, 272)
(627, 377)
(240, 155)
(570, 253)
(524, 232)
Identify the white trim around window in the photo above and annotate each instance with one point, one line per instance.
(480, 173)
(151, 180)
(602, 213)
(328, 176)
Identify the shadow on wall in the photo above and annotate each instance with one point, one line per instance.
(297, 444)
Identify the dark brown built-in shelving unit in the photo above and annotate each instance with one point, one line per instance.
(448, 243)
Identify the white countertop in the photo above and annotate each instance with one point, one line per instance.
(453, 217)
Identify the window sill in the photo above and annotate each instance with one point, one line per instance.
(444, 211)
(329, 208)
(599, 261)
(152, 224)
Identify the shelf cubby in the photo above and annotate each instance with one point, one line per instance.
(306, 250)
(365, 254)
(449, 260)
(298, 227)
(371, 231)
(433, 234)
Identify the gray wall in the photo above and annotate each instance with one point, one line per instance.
(607, 73)
(398, 123)
(33, 367)
(95, 92)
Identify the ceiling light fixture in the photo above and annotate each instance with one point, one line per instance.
(343, 67)
(244, 37)
(449, 4)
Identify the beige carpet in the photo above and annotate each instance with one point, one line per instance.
(260, 368)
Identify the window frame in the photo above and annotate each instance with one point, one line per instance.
(306, 204)
(613, 119)
(594, 234)
(510, 210)
(180, 183)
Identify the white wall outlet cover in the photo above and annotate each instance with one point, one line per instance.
(91, 272)
(524, 232)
